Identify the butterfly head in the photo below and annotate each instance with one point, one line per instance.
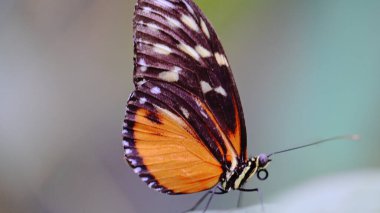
(262, 161)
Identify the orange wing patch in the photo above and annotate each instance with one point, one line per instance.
(172, 159)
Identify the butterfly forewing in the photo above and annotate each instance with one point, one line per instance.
(184, 89)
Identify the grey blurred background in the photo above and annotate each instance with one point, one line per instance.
(305, 70)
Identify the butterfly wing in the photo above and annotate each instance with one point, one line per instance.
(162, 148)
(182, 79)
(174, 42)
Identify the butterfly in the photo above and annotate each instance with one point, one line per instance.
(184, 130)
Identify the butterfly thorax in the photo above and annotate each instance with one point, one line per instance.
(236, 178)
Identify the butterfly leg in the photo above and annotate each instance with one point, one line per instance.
(209, 201)
(212, 192)
(249, 190)
(199, 201)
(212, 195)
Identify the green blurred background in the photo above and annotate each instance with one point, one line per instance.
(305, 70)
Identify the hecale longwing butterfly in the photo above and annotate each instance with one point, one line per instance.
(184, 129)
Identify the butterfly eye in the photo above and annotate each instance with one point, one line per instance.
(263, 160)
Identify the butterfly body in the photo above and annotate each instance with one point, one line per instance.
(236, 179)
(184, 129)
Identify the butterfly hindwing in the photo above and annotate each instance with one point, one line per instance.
(163, 149)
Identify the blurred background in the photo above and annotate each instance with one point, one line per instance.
(305, 70)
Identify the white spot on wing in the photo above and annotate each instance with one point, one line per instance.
(174, 22)
(158, 189)
(162, 49)
(151, 184)
(153, 26)
(202, 51)
(189, 50)
(124, 132)
(143, 68)
(164, 3)
(171, 75)
(125, 143)
(205, 29)
(147, 9)
(220, 90)
(190, 22)
(198, 103)
(185, 112)
(128, 151)
(139, 83)
(133, 162)
(205, 87)
(137, 170)
(221, 59)
(176, 69)
(145, 179)
(142, 100)
(204, 114)
(155, 90)
(143, 65)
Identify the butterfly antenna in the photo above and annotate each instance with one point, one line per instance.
(353, 137)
